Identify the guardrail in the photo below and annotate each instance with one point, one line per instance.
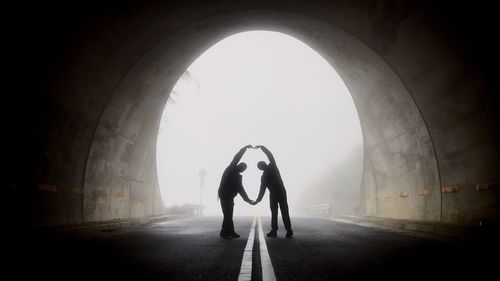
(321, 210)
(192, 210)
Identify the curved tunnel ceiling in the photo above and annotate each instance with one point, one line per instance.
(398, 145)
(429, 133)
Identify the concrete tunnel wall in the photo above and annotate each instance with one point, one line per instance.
(425, 127)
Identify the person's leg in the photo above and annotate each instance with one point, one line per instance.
(227, 205)
(286, 216)
(230, 215)
(225, 221)
(273, 204)
(284, 212)
(274, 212)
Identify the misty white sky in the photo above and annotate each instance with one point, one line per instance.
(255, 87)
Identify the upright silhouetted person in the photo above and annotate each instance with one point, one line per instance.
(271, 179)
(230, 185)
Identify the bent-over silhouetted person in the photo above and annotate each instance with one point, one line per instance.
(230, 185)
(271, 179)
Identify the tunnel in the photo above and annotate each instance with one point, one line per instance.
(90, 82)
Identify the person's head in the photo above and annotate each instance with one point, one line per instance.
(262, 165)
(241, 167)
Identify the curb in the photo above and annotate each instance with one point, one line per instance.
(440, 229)
(109, 225)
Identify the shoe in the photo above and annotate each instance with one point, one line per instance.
(235, 235)
(225, 235)
(289, 233)
(272, 233)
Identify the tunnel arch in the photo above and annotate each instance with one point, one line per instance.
(401, 175)
(62, 173)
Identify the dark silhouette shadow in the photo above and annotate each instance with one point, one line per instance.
(230, 186)
(271, 179)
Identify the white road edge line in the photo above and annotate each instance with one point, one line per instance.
(246, 262)
(265, 259)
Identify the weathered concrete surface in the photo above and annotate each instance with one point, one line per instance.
(421, 85)
(371, 81)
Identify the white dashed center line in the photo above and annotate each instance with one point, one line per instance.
(265, 259)
(246, 263)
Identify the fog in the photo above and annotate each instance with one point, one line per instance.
(260, 88)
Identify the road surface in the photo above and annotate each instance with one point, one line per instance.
(190, 249)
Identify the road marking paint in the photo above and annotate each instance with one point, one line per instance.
(246, 263)
(265, 259)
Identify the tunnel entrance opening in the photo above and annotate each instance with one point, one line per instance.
(261, 87)
(400, 175)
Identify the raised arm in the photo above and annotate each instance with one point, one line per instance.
(268, 154)
(244, 195)
(261, 192)
(238, 155)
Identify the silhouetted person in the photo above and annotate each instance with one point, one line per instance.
(230, 185)
(271, 179)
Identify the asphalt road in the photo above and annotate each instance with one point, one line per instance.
(191, 249)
